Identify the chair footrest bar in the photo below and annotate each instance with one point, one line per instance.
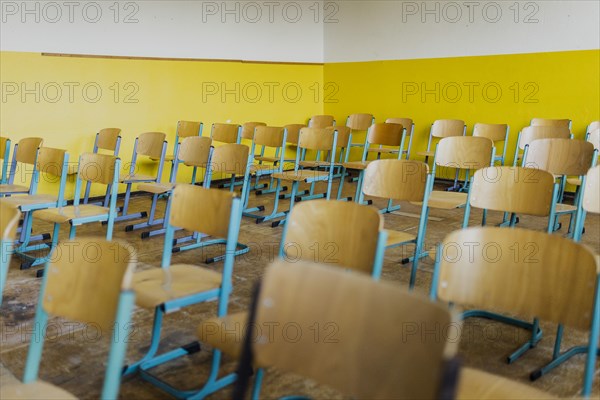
(573, 351)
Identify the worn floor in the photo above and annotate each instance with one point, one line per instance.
(75, 355)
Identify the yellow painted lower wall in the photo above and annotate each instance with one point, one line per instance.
(493, 89)
(67, 100)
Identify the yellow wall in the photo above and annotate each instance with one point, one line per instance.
(167, 91)
(566, 85)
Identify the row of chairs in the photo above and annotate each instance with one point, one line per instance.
(459, 279)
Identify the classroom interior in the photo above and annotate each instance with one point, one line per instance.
(414, 183)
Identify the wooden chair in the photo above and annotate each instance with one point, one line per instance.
(273, 139)
(313, 233)
(592, 136)
(226, 133)
(388, 134)
(97, 168)
(164, 290)
(321, 121)
(54, 165)
(443, 128)
(514, 190)
(9, 221)
(551, 277)
(496, 133)
(4, 153)
(248, 129)
(531, 133)
(409, 126)
(185, 129)
(154, 146)
(319, 140)
(563, 123)
(561, 157)
(107, 139)
(303, 294)
(229, 159)
(401, 180)
(94, 291)
(195, 152)
(359, 123)
(24, 153)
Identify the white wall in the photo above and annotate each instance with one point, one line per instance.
(253, 30)
(389, 30)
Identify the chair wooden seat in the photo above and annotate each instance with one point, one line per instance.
(574, 181)
(316, 164)
(156, 286)
(382, 150)
(267, 159)
(156, 188)
(426, 153)
(565, 208)
(303, 175)
(357, 165)
(475, 384)
(397, 237)
(9, 188)
(34, 199)
(62, 215)
(136, 178)
(37, 390)
(217, 332)
(263, 167)
(446, 200)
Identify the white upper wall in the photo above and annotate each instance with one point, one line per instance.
(298, 31)
(393, 30)
(247, 30)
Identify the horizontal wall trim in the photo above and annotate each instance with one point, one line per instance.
(178, 59)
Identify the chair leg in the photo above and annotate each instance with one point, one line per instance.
(292, 200)
(274, 214)
(125, 216)
(151, 221)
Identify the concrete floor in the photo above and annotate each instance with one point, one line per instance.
(75, 357)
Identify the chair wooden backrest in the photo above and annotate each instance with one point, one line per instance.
(248, 129)
(97, 168)
(560, 156)
(591, 196)
(531, 133)
(317, 139)
(563, 123)
(108, 138)
(194, 151)
(344, 135)
(269, 136)
(360, 122)
(231, 158)
(293, 132)
(150, 144)
(51, 161)
(518, 190)
(313, 233)
(443, 128)
(494, 132)
(407, 123)
(188, 129)
(212, 218)
(594, 138)
(226, 133)
(351, 310)
(321, 121)
(519, 271)
(386, 134)
(84, 285)
(27, 150)
(403, 180)
(4, 147)
(464, 152)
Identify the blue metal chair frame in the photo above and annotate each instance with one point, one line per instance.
(112, 381)
(9, 227)
(390, 207)
(199, 236)
(40, 203)
(301, 156)
(125, 216)
(88, 185)
(151, 360)
(5, 158)
(558, 357)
